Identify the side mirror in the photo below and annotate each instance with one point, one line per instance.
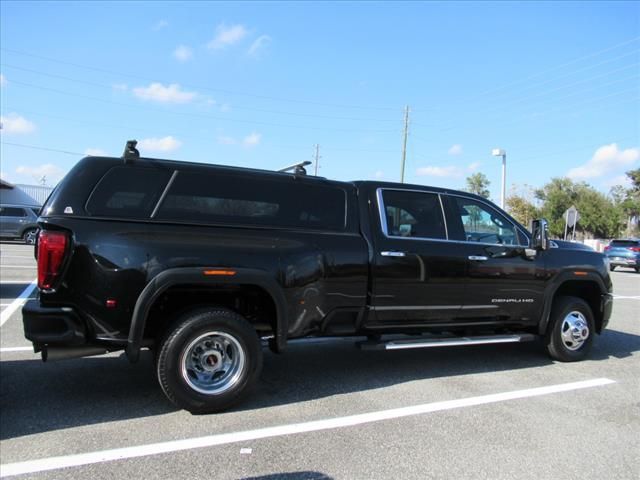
(540, 234)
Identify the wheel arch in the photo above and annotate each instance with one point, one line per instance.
(587, 286)
(195, 277)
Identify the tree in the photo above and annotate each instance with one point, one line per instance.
(522, 209)
(478, 183)
(599, 216)
(627, 201)
(634, 175)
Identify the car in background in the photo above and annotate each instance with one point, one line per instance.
(623, 253)
(19, 221)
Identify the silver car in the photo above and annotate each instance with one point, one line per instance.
(19, 221)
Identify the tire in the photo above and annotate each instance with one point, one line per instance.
(637, 269)
(570, 334)
(29, 236)
(612, 267)
(209, 360)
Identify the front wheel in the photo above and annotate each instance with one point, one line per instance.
(570, 334)
(209, 360)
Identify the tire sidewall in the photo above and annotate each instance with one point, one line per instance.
(190, 326)
(555, 344)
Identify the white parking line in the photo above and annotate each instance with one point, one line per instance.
(17, 303)
(54, 463)
(16, 349)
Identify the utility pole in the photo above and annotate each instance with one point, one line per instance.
(317, 158)
(404, 142)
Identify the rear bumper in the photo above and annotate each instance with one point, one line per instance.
(624, 261)
(57, 326)
(607, 307)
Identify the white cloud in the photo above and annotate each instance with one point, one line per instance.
(252, 139)
(95, 152)
(160, 25)
(472, 167)
(14, 123)
(121, 87)
(224, 140)
(227, 35)
(433, 171)
(52, 172)
(156, 92)
(183, 53)
(258, 45)
(623, 180)
(455, 150)
(165, 144)
(3, 80)
(604, 160)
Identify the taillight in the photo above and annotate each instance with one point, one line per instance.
(51, 249)
(634, 249)
(607, 248)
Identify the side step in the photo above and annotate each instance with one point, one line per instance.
(426, 342)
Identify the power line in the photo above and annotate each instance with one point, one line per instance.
(235, 106)
(199, 87)
(192, 114)
(46, 149)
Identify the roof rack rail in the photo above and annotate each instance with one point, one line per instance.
(130, 153)
(298, 168)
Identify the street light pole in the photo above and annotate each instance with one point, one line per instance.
(499, 152)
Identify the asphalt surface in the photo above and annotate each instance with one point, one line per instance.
(101, 403)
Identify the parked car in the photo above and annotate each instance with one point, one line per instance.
(624, 253)
(199, 262)
(19, 221)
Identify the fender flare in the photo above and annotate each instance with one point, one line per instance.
(194, 275)
(554, 286)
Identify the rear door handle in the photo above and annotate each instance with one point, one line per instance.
(393, 254)
(478, 258)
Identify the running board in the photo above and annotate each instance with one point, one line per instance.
(444, 342)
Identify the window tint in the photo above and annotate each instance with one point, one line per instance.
(129, 192)
(413, 214)
(12, 212)
(483, 224)
(251, 200)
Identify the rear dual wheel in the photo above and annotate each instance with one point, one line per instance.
(209, 360)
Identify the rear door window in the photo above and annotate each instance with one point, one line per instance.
(413, 214)
(128, 192)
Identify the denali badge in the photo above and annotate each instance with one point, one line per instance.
(512, 300)
(68, 210)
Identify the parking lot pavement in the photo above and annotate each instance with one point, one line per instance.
(468, 412)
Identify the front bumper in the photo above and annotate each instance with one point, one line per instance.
(56, 326)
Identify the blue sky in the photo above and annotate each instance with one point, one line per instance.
(557, 85)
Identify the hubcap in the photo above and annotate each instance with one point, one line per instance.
(575, 330)
(30, 237)
(213, 363)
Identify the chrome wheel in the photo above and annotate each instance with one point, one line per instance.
(213, 363)
(574, 331)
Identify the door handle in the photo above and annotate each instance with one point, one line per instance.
(392, 254)
(478, 258)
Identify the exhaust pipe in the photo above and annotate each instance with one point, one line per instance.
(58, 353)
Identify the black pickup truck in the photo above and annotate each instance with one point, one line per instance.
(203, 263)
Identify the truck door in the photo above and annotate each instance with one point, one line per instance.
(11, 219)
(503, 283)
(418, 278)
